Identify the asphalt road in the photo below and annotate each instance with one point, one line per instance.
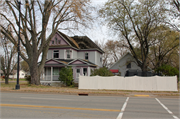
(58, 106)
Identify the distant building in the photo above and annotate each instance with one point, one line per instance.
(126, 62)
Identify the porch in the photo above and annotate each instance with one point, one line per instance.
(50, 74)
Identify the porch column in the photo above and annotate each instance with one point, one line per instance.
(51, 73)
(89, 71)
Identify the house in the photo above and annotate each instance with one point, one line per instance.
(14, 74)
(126, 62)
(79, 52)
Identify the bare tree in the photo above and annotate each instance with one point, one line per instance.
(113, 50)
(8, 61)
(134, 21)
(40, 20)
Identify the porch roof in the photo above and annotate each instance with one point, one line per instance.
(68, 62)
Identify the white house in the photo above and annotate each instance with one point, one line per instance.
(21, 74)
(125, 63)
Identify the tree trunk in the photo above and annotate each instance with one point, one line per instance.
(35, 77)
(34, 71)
(6, 80)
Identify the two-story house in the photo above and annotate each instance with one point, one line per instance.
(79, 52)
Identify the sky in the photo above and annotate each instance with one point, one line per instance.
(98, 32)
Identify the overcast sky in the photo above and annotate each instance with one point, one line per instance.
(98, 31)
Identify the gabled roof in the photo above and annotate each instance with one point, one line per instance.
(120, 59)
(57, 60)
(86, 43)
(84, 61)
(80, 42)
(69, 40)
(67, 62)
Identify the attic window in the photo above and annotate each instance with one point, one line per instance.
(129, 65)
(59, 41)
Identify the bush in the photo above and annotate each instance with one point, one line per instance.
(168, 71)
(28, 78)
(101, 72)
(66, 76)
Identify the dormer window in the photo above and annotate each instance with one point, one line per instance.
(86, 56)
(68, 52)
(56, 53)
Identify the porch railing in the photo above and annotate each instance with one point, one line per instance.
(48, 78)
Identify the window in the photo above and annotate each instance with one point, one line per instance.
(85, 71)
(56, 53)
(56, 40)
(52, 42)
(59, 41)
(68, 52)
(55, 71)
(86, 56)
(129, 65)
(100, 59)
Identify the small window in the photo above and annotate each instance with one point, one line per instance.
(68, 54)
(59, 41)
(100, 59)
(52, 42)
(56, 40)
(129, 65)
(86, 56)
(56, 53)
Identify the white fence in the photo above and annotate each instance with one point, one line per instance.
(155, 83)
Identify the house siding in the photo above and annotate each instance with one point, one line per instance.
(121, 64)
(74, 54)
(98, 55)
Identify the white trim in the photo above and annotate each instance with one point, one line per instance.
(89, 71)
(79, 60)
(175, 117)
(123, 109)
(56, 61)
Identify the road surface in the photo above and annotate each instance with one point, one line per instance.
(58, 106)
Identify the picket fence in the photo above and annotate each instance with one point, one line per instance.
(154, 83)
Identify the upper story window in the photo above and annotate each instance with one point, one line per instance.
(68, 52)
(86, 56)
(52, 42)
(56, 53)
(128, 66)
(100, 59)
